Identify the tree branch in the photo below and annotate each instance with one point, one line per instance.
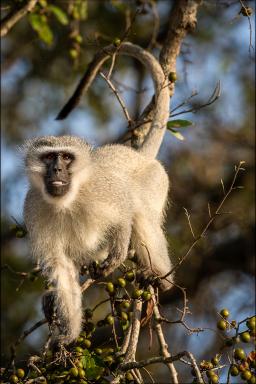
(14, 16)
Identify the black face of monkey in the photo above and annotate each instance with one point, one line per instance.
(57, 178)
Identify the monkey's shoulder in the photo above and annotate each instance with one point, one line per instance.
(118, 155)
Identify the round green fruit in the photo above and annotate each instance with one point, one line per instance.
(121, 282)
(146, 295)
(129, 276)
(110, 288)
(73, 372)
(246, 375)
(125, 304)
(116, 42)
(81, 373)
(110, 319)
(137, 293)
(224, 313)
(239, 354)
(129, 376)
(14, 379)
(172, 77)
(215, 360)
(87, 343)
(20, 373)
(214, 379)
(234, 371)
(222, 325)
(251, 323)
(245, 337)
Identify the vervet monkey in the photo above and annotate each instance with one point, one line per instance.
(90, 204)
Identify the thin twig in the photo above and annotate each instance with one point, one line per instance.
(211, 100)
(189, 222)
(206, 227)
(121, 102)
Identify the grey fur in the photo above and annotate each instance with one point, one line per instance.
(117, 198)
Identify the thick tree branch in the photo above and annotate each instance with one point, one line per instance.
(14, 16)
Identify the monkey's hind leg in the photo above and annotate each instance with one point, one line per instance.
(151, 246)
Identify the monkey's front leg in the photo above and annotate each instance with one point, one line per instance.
(119, 244)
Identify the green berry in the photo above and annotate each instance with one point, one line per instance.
(234, 371)
(172, 77)
(222, 325)
(109, 359)
(210, 373)
(252, 380)
(129, 276)
(214, 379)
(98, 351)
(125, 304)
(146, 295)
(110, 287)
(79, 351)
(251, 323)
(73, 372)
(73, 53)
(20, 373)
(81, 373)
(129, 376)
(124, 316)
(116, 42)
(14, 379)
(215, 360)
(110, 319)
(224, 313)
(239, 354)
(245, 337)
(121, 282)
(87, 343)
(137, 293)
(246, 375)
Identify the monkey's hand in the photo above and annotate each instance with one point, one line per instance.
(147, 280)
(96, 270)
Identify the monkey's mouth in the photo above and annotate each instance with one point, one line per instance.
(58, 183)
(57, 188)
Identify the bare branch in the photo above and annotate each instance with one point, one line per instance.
(161, 339)
(121, 102)
(14, 16)
(211, 100)
(212, 218)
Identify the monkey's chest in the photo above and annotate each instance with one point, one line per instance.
(84, 240)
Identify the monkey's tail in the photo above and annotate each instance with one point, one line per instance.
(154, 132)
(68, 298)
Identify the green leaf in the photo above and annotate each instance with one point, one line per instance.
(40, 25)
(177, 134)
(59, 14)
(93, 365)
(179, 123)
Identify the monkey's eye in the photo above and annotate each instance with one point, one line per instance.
(67, 157)
(48, 156)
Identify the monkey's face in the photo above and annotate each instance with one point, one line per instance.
(57, 177)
